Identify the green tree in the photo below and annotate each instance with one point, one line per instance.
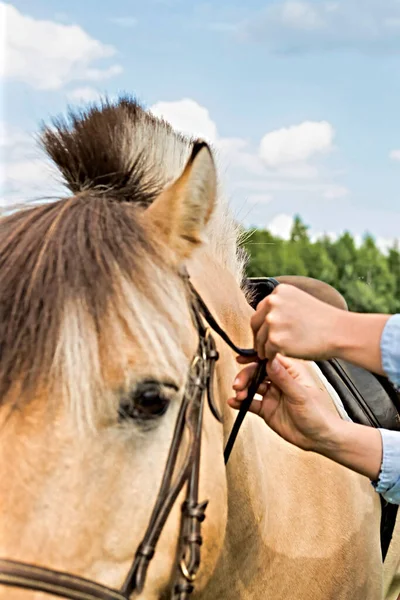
(265, 253)
(314, 256)
(299, 232)
(343, 254)
(393, 261)
(371, 267)
(361, 297)
(319, 264)
(368, 279)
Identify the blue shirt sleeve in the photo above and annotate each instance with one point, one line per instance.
(390, 349)
(388, 483)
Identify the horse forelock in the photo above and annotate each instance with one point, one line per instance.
(140, 337)
(63, 259)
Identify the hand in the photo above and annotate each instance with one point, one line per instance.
(294, 323)
(301, 411)
(294, 405)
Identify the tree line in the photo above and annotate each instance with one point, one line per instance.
(367, 278)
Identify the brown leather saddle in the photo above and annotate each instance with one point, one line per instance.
(368, 399)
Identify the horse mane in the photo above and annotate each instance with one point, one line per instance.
(57, 255)
(115, 159)
(116, 148)
(119, 147)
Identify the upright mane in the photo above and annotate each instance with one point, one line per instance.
(120, 147)
(115, 159)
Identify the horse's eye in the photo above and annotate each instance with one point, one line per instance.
(149, 401)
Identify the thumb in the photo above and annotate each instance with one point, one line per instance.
(280, 376)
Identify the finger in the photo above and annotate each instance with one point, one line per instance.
(290, 362)
(287, 362)
(292, 365)
(300, 371)
(243, 378)
(258, 317)
(262, 390)
(281, 377)
(270, 351)
(255, 406)
(245, 360)
(260, 340)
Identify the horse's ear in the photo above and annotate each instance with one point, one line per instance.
(182, 210)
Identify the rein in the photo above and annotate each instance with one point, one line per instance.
(258, 376)
(190, 418)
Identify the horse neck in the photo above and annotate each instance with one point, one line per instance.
(250, 476)
(246, 469)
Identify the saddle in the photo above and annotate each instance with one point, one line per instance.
(368, 398)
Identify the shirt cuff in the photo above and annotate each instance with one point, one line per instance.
(389, 473)
(390, 349)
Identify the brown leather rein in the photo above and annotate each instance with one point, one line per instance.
(190, 419)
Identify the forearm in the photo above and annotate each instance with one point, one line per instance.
(354, 446)
(356, 338)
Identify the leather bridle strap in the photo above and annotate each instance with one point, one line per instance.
(189, 418)
(193, 514)
(258, 376)
(64, 585)
(205, 312)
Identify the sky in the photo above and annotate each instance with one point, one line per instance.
(299, 99)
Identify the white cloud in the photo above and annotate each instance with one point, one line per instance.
(187, 117)
(236, 152)
(297, 26)
(335, 192)
(281, 225)
(83, 94)
(301, 15)
(395, 155)
(127, 22)
(47, 55)
(11, 138)
(25, 174)
(100, 74)
(296, 144)
(385, 244)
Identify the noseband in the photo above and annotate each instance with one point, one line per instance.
(190, 419)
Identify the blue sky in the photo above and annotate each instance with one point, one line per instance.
(299, 98)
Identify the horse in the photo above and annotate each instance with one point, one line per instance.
(98, 343)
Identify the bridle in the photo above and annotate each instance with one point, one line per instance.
(190, 418)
